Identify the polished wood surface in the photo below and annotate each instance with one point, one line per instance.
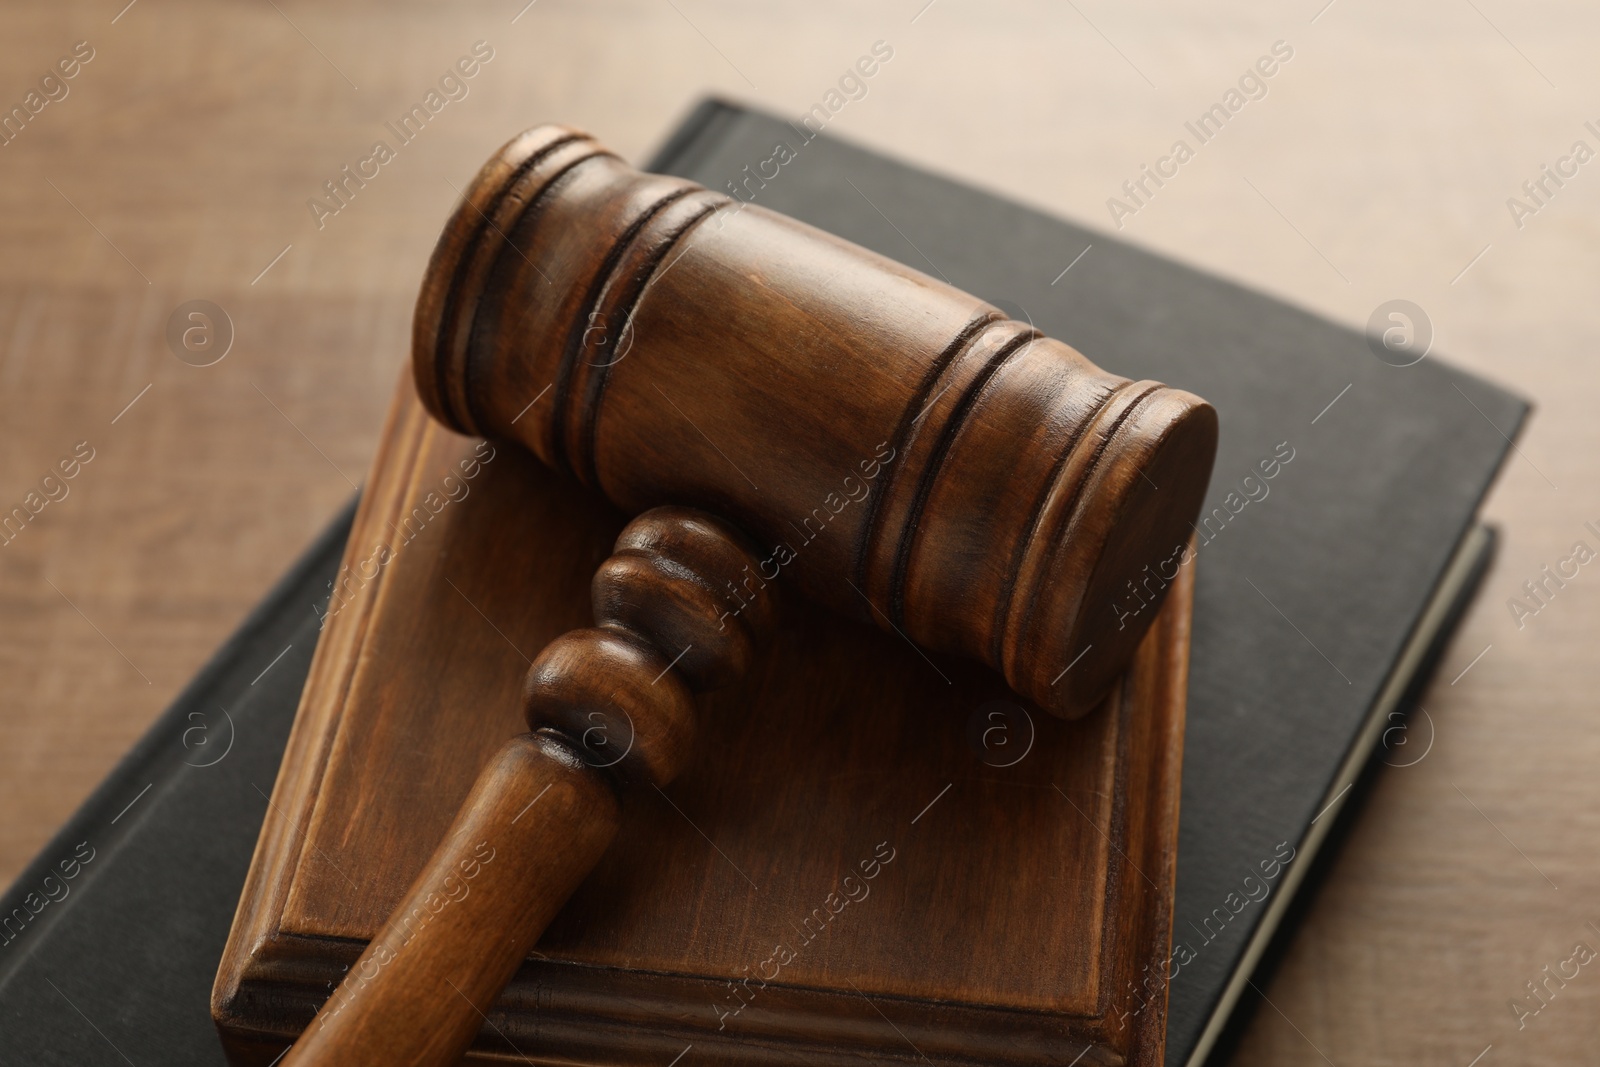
(795, 348)
(1390, 143)
(535, 822)
(908, 455)
(851, 805)
(606, 706)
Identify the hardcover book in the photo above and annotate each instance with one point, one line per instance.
(1338, 544)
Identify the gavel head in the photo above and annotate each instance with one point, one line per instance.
(902, 450)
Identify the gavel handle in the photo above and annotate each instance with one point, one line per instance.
(606, 705)
(535, 824)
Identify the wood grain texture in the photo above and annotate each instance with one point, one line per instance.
(606, 707)
(1392, 142)
(535, 822)
(902, 452)
(1021, 491)
(849, 805)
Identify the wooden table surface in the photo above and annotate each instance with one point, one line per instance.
(179, 164)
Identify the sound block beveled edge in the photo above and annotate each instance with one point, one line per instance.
(271, 981)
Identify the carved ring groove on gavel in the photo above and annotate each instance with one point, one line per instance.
(896, 449)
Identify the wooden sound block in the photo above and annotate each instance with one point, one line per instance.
(872, 856)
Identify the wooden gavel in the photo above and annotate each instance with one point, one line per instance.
(775, 402)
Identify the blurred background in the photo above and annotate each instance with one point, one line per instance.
(177, 163)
